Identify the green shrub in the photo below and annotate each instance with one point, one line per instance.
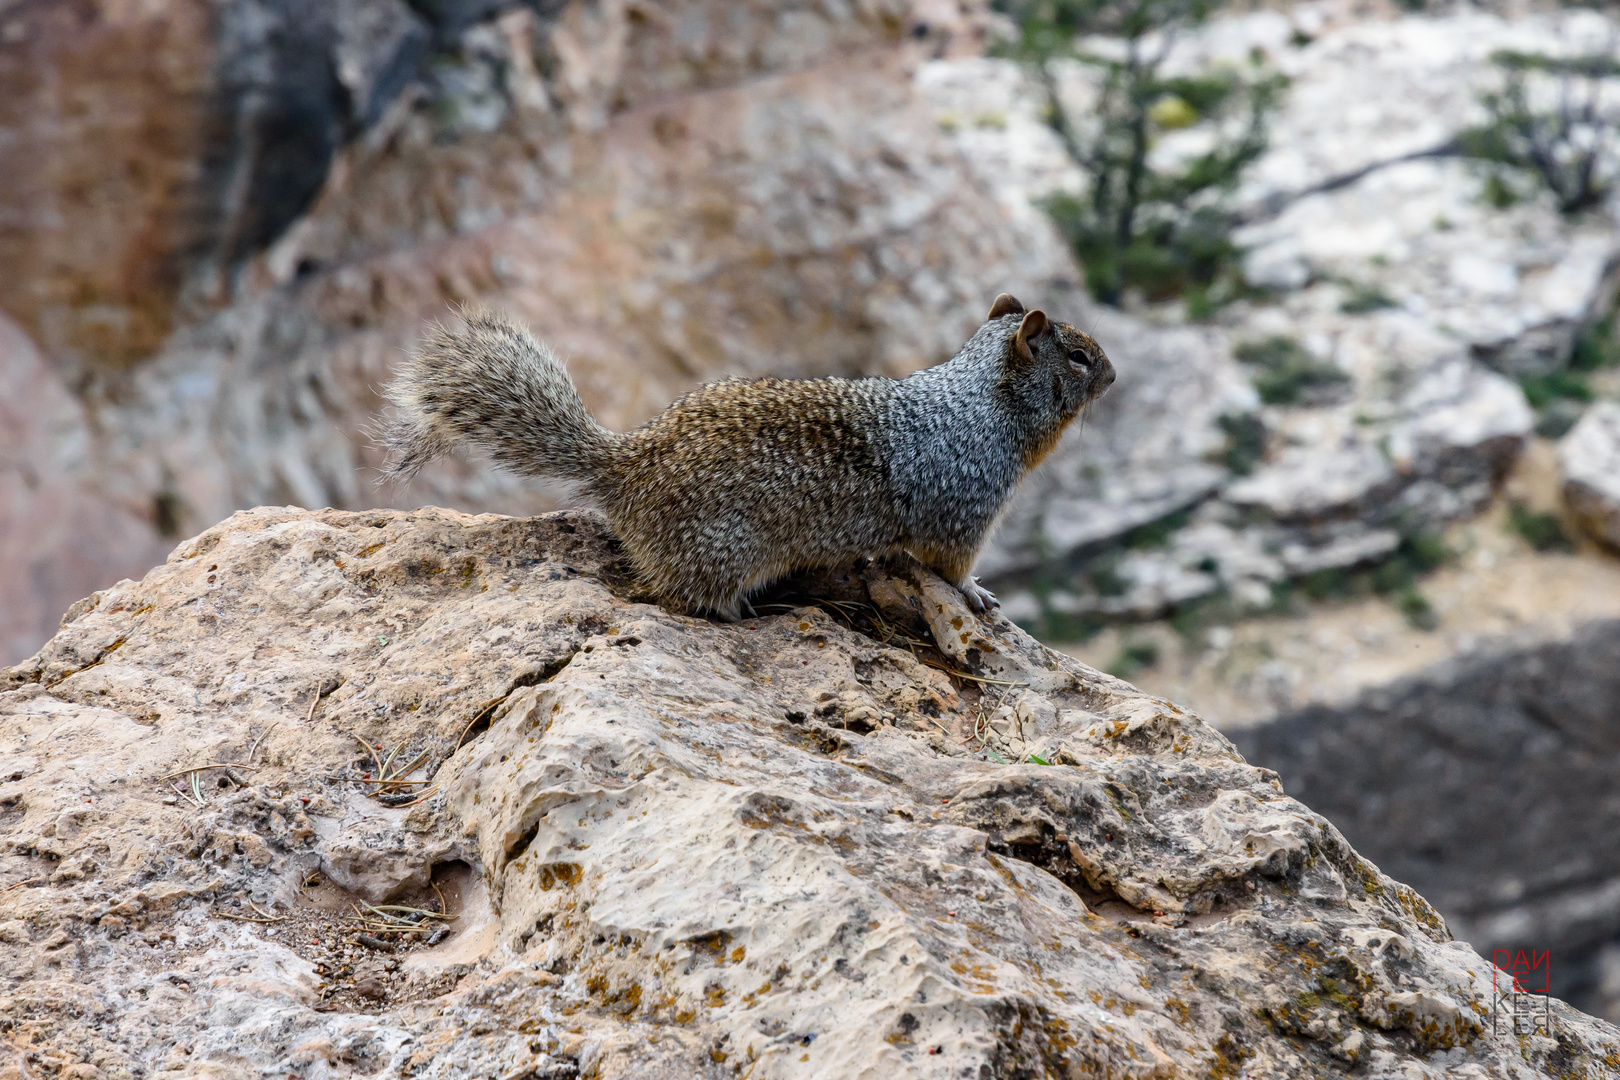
(1286, 373)
(1133, 658)
(1329, 583)
(1563, 144)
(1419, 613)
(1245, 445)
(1166, 234)
(1106, 579)
(1365, 298)
(1542, 390)
(1543, 532)
(1596, 348)
(1156, 534)
(1497, 193)
(1060, 626)
(1423, 551)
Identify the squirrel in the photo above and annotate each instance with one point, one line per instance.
(739, 483)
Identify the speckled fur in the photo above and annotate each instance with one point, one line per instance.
(739, 483)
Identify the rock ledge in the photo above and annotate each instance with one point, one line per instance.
(671, 848)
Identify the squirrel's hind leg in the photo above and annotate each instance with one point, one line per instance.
(979, 599)
(956, 567)
(731, 610)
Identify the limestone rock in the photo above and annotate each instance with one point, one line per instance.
(1402, 278)
(1590, 456)
(1464, 781)
(1515, 283)
(794, 845)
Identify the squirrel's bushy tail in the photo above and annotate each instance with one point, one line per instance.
(495, 387)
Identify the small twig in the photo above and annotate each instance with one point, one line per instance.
(374, 759)
(266, 914)
(20, 884)
(244, 918)
(389, 760)
(375, 943)
(424, 797)
(254, 748)
(205, 768)
(309, 717)
(385, 908)
(368, 780)
(193, 796)
(947, 669)
(408, 769)
(483, 710)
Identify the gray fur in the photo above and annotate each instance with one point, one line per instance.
(739, 483)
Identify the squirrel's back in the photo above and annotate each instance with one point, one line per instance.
(738, 483)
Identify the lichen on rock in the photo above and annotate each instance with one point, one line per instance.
(807, 844)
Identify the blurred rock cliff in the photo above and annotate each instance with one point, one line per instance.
(226, 222)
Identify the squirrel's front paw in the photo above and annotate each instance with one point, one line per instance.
(979, 599)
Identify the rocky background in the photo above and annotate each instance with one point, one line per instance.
(232, 218)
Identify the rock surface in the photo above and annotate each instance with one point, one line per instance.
(777, 848)
(1487, 783)
(1590, 456)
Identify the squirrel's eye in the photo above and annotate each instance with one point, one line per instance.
(1079, 358)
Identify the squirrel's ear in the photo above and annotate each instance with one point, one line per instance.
(1006, 304)
(1033, 326)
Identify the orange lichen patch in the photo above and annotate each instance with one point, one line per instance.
(1418, 908)
(1058, 1037)
(1179, 1011)
(558, 875)
(714, 943)
(1230, 1054)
